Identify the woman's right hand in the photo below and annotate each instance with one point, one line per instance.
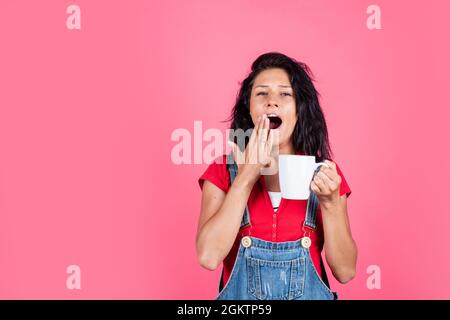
(257, 154)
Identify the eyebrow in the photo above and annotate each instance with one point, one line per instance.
(280, 85)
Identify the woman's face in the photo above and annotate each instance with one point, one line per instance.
(273, 95)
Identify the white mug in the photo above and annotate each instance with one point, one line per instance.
(295, 174)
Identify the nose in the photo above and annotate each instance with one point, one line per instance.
(272, 102)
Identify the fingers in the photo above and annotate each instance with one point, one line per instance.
(266, 158)
(330, 172)
(314, 187)
(322, 181)
(254, 135)
(262, 140)
(270, 142)
(263, 129)
(259, 146)
(327, 180)
(324, 170)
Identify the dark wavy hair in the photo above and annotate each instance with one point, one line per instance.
(310, 134)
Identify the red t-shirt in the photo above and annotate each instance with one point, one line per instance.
(283, 225)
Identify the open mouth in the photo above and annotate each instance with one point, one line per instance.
(275, 121)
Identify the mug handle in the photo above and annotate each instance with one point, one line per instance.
(318, 166)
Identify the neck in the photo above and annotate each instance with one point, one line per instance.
(286, 149)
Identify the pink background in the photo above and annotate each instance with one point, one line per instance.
(86, 117)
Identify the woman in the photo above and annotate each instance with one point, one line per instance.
(245, 223)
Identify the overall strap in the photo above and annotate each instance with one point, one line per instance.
(233, 170)
(310, 222)
(312, 209)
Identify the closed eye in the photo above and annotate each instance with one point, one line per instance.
(283, 93)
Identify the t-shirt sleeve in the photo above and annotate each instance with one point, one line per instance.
(345, 189)
(217, 174)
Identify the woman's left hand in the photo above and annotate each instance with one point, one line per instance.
(326, 184)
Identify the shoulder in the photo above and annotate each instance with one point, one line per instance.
(217, 173)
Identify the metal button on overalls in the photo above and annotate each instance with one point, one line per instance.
(305, 242)
(246, 241)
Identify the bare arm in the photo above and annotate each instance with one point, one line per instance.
(340, 248)
(220, 220)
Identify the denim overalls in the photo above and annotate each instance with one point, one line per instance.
(265, 270)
